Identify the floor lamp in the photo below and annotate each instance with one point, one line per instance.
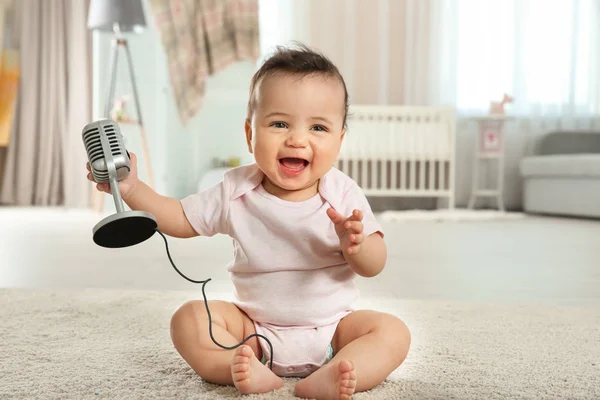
(118, 17)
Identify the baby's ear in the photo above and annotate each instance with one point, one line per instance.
(248, 130)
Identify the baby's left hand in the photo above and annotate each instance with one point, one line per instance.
(349, 230)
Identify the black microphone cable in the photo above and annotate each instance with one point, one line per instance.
(208, 311)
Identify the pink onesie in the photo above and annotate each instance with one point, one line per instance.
(288, 271)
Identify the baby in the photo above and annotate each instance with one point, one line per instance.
(302, 231)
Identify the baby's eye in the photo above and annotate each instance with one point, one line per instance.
(280, 125)
(319, 128)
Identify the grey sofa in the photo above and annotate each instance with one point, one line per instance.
(563, 177)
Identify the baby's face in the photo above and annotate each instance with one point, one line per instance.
(296, 132)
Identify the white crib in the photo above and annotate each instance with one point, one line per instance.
(401, 151)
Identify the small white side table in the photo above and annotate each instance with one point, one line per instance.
(490, 147)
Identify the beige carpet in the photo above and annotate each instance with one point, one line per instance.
(100, 344)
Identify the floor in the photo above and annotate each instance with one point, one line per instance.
(535, 259)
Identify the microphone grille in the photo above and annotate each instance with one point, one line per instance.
(91, 138)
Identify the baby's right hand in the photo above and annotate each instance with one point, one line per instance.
(125, 185)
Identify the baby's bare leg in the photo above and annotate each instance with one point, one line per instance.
(191, 337)
(368, 346)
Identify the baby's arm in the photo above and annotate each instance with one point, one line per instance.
(167, 211)
(139, 196)
(371, 258)
(365, 255)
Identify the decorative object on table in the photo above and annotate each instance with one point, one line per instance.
(119, 111)
(201, 38)
(497, 108)
(231, 162)
(120, 17)
(9, 81)
(490, 147)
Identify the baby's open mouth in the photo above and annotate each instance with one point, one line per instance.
(293, 167)
(294, 164)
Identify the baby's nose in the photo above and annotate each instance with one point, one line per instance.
(297, 139)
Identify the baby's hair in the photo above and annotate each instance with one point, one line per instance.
(296, 60)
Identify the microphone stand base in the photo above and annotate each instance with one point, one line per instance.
(124, 229)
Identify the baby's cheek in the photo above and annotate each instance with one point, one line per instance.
(264, 152)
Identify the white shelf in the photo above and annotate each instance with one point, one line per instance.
(484, 156)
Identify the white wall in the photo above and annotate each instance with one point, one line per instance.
(217, 130)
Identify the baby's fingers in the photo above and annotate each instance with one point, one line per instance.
(356, 226)
(103, 187)
(357, 215)
(356, 238)
(335, 216)
(354, 249)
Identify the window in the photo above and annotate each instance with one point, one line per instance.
(543, 53)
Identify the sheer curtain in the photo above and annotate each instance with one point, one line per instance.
(544, 53)
(46, 155)
(465, 53)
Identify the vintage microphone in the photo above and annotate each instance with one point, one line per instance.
(109, 162)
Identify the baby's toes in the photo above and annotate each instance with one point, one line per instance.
(347, 382)
(250, 376)
(240, 364)
(240, 374)
(346, 366)
(346, 392)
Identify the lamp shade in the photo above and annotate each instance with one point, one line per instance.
(128, 14)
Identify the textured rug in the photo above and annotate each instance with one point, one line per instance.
(109, 344)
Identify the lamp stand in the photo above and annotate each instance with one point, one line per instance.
(116, 43)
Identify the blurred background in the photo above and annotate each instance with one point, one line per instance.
(520, 78)
(462, 53)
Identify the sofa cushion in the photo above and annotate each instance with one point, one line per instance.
(570, 142)
(561, 165)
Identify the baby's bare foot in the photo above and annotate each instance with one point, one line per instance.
(334, 381)
(250, 375)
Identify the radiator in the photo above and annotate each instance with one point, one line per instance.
(401, 151)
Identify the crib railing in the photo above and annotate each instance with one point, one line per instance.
(401, 151)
